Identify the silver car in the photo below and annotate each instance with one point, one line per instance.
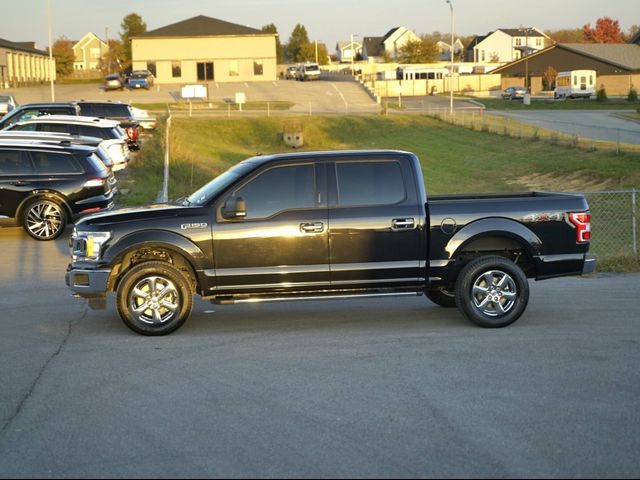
(514, 93)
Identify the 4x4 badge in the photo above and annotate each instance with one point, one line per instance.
(193, 226)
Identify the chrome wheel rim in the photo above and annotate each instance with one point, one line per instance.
(44, 219)
(494, 293)
(154, 300)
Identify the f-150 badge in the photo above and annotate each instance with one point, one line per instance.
(193, 226)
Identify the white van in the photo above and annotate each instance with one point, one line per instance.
(308, 71)
(575, 84)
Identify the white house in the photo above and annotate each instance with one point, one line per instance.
(88, 51)
(509, 44)
(444, 49)
(347, 51)
(375, 49)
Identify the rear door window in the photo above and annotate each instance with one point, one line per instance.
(91, 131)
(55, 163)
(15, 162)
(370, 183)
(58, 127)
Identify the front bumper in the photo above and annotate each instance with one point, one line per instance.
(87, 283)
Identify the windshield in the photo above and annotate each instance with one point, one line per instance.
(218, 184)
(311, 68)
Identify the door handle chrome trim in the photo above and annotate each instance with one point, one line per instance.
(403, 224)
(315, 227)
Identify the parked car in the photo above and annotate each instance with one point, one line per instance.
(514, 93)
(325, 225)
(290, 72)
(140, 79)
(115, 138)
(113, 81)
(7, 104)
(33, 110)
(308, 71)
(123, 113)
(44, 186)
(100, 145)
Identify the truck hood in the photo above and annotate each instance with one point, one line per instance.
(138, 214)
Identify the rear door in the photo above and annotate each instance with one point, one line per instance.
(17, 177)
(376, 223)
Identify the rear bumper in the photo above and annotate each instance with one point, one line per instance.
(590, 261)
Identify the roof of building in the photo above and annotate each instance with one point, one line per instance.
(621, 55)
(476, 40)
(374, 46)
(522, 32)
(201, 26)
(21, 46)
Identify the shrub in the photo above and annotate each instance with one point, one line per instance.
(633, 94)
(601, 94)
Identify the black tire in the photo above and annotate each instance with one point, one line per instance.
(165, 312)
(442, 297)
(492, 291)
(44, 219)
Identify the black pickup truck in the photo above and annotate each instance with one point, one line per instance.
(327, 225)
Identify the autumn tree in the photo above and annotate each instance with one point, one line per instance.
(62, 51)
(606, 30)
(113, 60)
(131, 26)
(549, 78)
(298, 38)
(566, 35)
(421, 50)
(271, 28)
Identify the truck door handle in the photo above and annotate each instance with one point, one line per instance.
(315, 227)
(403, 224)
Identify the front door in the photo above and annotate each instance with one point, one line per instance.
(376, 224)
(17, 180)
(205, 71)
(282, 242)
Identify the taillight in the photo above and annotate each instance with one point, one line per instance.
(95, 182)
(582, 223)
(132, 132)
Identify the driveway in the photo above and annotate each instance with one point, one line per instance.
(595, 124)
(395, 388)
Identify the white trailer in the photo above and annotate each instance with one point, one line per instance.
(575, 84)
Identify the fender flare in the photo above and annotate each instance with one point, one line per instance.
(494, 227)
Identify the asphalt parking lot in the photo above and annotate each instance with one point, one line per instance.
(378, 388)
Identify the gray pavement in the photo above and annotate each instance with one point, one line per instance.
(596, 124)
(377, 388)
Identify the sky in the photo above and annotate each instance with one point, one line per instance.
(327, 21)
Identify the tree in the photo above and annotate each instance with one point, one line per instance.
(298, 38)
(566, 35)
(308, 53)
(131, 26)
(421, 50)
(549, 78)
(271, 28)
(113, 60)
(606, 30)
(62, 51)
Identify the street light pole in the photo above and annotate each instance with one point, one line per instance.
(53, 93)
(451, 53)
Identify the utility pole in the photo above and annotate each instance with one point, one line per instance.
(451, 53)
(51, 71)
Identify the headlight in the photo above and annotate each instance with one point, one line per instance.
(88, 245)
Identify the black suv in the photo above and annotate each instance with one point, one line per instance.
(119, 111)
(43, 186)
(32, 110)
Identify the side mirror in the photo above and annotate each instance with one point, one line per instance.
(234, 208)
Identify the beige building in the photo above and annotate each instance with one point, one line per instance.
(21, 63)
(88, 51)
(203, 49)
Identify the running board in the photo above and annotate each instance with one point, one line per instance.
(240, 300)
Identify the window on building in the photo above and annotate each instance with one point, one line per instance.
(176, 69)
(205, 71)
(483, 56)
(95, 53)
(518, 42)
(233, 68)
(151, 66)
(538, 42)
(258, 67)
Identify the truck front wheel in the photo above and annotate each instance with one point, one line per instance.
(154, 298)
(492, 291)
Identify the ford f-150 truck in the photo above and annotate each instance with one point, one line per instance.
(327, 225)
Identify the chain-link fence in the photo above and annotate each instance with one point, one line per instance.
(614, 222)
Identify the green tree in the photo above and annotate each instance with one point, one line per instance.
(308, 53)
(422, 50)
(62, 51)
(131, 26)
(271, 28)
(298, 38)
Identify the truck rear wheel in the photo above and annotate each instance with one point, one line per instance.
(154, 298)
(492, 291)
